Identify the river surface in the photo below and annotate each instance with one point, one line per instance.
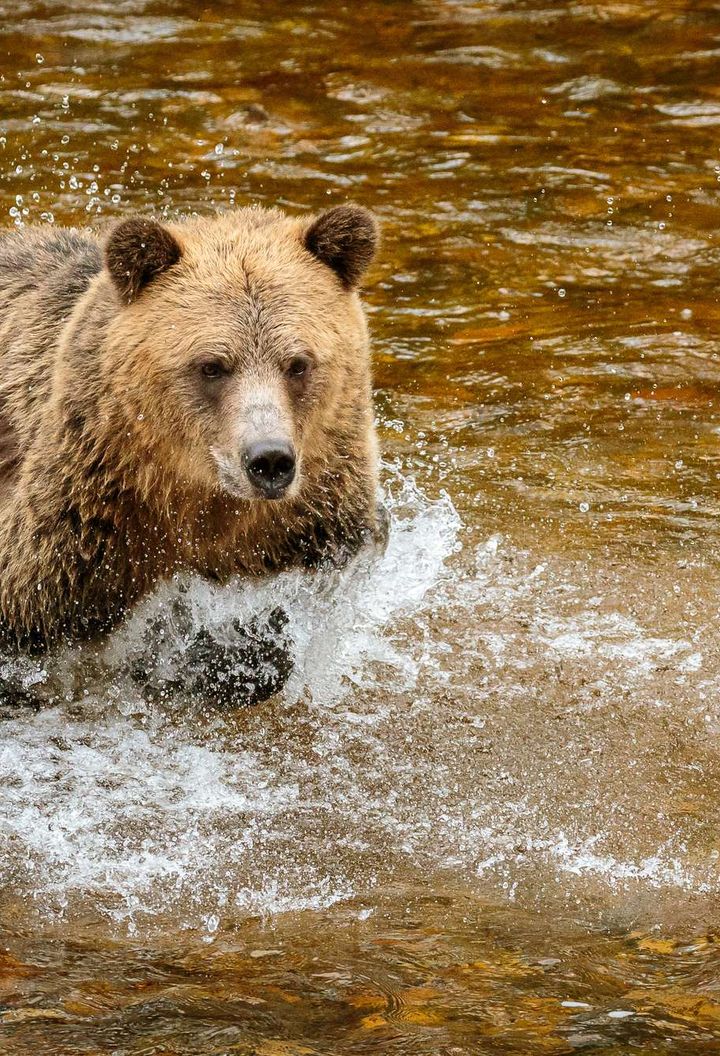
(484, 815)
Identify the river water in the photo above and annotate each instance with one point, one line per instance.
(484, 814)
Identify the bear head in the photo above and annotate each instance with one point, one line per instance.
(237, 347)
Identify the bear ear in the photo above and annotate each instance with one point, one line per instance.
(136, 252)
(346, 239)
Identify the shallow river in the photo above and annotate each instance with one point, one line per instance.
(485, 814)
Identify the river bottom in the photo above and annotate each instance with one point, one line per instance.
(408, 973)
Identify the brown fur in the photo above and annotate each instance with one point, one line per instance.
(108, 440)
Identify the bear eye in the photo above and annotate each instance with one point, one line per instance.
(212, 368)
(298, 367)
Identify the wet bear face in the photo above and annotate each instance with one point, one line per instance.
(239, 350)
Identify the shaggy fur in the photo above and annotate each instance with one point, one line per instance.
(113, 447)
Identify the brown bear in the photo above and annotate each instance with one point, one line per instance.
(190, 396)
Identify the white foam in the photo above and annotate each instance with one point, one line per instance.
(134, 805)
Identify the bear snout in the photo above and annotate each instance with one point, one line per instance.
(270, 466)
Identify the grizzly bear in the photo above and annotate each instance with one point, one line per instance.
(190, 396)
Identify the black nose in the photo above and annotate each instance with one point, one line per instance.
(270, 466)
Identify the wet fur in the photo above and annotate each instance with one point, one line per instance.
(95, 504)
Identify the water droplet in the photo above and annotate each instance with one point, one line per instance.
(39, 59)
(561, 292)
(584, 507)
(219, 149)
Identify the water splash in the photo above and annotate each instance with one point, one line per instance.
(469, 712)
(144, 805)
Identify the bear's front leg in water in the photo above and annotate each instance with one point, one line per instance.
(247, 669)
(19, 692)
(258, 665)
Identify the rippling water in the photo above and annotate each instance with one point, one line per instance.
(484, 814)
